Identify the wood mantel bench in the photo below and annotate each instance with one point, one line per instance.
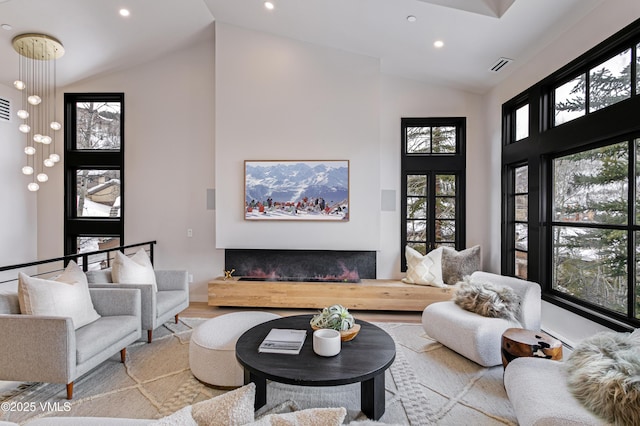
(369, 294)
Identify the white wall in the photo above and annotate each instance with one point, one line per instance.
(169, 157)
(408, 98)
(604, 21)
(280, 99)
(277, 98)
(18, 229)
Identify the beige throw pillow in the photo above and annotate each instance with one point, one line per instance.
(424, 269)
(134, 270)
(66, 296)
(229, 409)
(181, 417)
(308, 417)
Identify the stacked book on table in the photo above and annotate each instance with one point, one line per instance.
(283, 341)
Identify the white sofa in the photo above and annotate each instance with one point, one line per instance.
(476, 337)
(537, 389)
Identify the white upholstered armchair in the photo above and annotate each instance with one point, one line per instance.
(476, 337)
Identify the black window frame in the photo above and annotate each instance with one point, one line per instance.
(76, 159)
(547, 141)
(433, 164)
(511, 221)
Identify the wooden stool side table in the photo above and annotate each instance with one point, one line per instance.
(519, 342)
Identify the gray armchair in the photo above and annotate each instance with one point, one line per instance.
(158, 307)
(474, 336)
(48, 349)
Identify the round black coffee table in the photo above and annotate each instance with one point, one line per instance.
(364, 360)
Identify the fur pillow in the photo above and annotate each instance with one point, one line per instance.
(487, 299)
(459, 264)
(604, 375)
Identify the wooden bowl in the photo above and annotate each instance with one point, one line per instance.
(345, 335)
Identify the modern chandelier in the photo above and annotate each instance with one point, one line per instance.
(37, 82)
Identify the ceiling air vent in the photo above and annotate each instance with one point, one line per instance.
(5, 110)
(499, 64)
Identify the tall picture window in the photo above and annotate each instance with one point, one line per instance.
(590, 231)
(94, 171)
(433, 171)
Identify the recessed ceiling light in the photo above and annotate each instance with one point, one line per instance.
(124, 12)
(411, 18)
(438, 44)
(269, 5)
(6, 27)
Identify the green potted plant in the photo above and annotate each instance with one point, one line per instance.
(336, 317)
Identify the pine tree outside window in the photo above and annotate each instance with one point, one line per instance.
(582, 156)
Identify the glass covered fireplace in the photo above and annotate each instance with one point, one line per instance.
(301, 265)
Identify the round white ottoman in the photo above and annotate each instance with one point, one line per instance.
(212, 349)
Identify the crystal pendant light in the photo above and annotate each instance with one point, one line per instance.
(37, 82)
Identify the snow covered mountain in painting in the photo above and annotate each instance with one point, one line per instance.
(292, 182)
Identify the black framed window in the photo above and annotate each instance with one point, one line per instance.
(600, 86)
(521, 123)
(593, 227)
(433, 183)
(518, 216)
(94, 171)
(582, 168)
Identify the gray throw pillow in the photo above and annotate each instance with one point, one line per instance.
(488, 300)
(458, 264)
(603, 373)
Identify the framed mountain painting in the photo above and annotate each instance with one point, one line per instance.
(296, 190)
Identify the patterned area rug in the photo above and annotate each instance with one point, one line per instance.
(427, 384)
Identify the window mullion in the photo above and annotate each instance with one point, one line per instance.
(631, 234)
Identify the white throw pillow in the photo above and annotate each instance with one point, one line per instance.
(181, 417)
(134, 270)
(424, 269)
(66, 296)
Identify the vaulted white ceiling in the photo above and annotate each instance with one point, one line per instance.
(475, 33)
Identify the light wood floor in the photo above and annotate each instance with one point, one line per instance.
(202, 310)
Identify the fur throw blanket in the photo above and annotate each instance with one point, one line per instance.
(487, 299)
(604, 375)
